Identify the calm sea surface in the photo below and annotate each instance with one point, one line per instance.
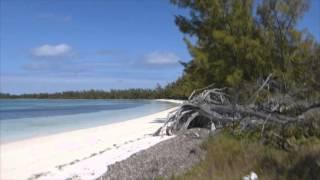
(26, 118)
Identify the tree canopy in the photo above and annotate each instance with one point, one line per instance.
(234, 42)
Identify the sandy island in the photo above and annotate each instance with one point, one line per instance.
(79, 154)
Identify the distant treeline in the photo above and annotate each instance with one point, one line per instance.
(134, 93)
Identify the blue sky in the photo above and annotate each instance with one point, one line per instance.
(51, 45)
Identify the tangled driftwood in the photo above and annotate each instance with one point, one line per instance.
(212, 108)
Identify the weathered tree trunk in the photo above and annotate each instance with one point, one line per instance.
(212, 108)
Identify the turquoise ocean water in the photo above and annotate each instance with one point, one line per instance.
(27, 118)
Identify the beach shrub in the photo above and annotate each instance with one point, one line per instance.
(231, 157)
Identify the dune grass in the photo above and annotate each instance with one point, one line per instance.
(231, 157)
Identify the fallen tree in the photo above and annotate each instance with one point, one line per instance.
(214, 108)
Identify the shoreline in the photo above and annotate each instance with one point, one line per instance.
(4, 142)
(39, 156)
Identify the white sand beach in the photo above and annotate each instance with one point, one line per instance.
(84, 153)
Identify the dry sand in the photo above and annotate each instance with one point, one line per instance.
(83, 153)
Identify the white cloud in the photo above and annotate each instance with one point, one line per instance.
(161, 58)
(47, 51)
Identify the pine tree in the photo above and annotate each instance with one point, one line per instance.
(232, 43)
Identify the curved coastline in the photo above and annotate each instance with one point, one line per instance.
(53, 120)
(71, 153)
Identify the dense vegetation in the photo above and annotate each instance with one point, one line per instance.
(232, 157)
(133, 93)
(96, 94)
(238, 44)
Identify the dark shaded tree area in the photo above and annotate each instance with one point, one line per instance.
(96, 94)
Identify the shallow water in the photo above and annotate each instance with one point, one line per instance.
(27, 118)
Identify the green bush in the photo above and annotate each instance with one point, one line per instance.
(231, 157)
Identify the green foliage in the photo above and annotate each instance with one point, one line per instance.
(291, 50)
(229, 157)
(228, 48)
(232, 154)
(234, 43)
(235, 78)
(156, 93)
(287, 137)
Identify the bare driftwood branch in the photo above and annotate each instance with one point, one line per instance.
(254, 97)
(211, 108)
(197, 90)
